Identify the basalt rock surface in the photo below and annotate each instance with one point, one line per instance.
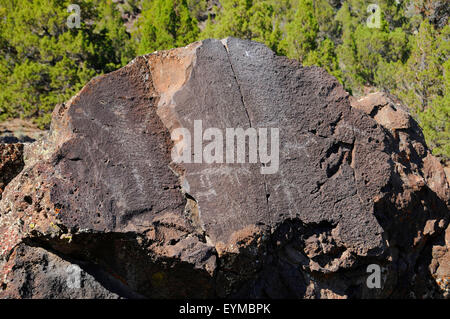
(11, 163)
(101, 194)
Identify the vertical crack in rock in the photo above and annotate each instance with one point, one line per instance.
(224, 42)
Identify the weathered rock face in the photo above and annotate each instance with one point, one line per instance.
(11, 163)
(355, 186)
(419, 177)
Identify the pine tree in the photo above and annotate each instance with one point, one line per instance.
(232, 20)
(325, 56)
(301, 32)
(197, 8)
(43, 61)
(246, 19)
(422, 78)
(109, 22)
(328, 25)
(367, 53)
(165, 24)
(435, 122)
(427, 79)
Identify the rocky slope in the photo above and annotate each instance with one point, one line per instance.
(99, 209)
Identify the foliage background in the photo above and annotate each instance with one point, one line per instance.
(43, 62)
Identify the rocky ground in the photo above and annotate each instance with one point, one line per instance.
(19, 131)
(98, 209)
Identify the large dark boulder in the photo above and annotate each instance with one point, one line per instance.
(103, 192)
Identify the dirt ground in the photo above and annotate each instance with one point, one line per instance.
(19, 130)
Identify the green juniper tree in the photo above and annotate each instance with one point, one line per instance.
(165, 24)
(325, 56)
(44, 62)
(301, 32)
(246, 19)
(197, 8)
(422, 78)
(366, 52)
(308, 36)
(424, 85)
(109, 23)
